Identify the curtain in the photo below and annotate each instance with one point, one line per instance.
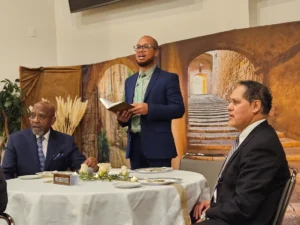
(48, 83)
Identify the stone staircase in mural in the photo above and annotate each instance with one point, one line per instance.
(209, 132)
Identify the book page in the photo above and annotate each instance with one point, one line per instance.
(105, 102)
(121, 106)
(115, 106)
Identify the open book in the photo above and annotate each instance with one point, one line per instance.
(115, 106)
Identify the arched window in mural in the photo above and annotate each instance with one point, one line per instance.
(112, 137)
(200, 70)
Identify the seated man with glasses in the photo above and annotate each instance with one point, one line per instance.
(157, 100)
(41, 148)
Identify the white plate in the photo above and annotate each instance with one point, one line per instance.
(158, 181)
(30, 177)
(177, 179)
(154, 170)
(125, 184)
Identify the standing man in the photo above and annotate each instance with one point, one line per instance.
(41, 148)
(255, 172)
(157, 100)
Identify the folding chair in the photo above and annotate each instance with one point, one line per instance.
(7, 218)
(208, 165)
(285, 198)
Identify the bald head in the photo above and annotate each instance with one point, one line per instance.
(150, 39)
(42, 117)
(47, 106)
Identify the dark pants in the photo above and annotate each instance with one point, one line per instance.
(137, 158)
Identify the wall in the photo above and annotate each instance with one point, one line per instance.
(109, 32)
(266, 12)
(17, 48)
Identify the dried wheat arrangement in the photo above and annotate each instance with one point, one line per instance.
(68, 114)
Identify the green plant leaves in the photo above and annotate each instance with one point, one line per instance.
(11, 105)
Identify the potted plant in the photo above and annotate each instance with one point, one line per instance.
(11, 109)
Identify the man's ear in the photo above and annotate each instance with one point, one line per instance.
(157, 51)
(53, 120)
(256, 104)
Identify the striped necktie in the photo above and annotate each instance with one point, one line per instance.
(234, 147)
(40, 152)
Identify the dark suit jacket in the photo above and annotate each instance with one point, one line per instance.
(252, 181)
(165, 103)
(21, 154)
(3, 192)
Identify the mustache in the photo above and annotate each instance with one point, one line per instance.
(146, 63)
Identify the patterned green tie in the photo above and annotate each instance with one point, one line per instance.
(138, 98)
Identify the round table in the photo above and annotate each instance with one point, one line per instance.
(34, 202)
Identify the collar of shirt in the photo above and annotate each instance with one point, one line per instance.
(248, 130)
(148, 72)
(46, 136)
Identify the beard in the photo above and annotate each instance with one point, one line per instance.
(146, 63)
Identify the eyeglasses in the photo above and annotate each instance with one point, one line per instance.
(143, 47)
(32, 116)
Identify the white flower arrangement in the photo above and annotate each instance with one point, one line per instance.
(103, 173)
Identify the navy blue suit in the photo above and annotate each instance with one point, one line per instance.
(21, 154)
(165, 103)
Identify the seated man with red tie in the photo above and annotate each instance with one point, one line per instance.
(255, 172)
(41, 148)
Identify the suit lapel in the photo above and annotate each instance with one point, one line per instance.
(33, 148)
(152, 81)
(131, 88)
(52, 143)
(252, 134)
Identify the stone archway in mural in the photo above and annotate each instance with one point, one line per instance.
(211, 77)
(112, 137)
(199, 72)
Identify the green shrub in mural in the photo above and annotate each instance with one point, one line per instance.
(121, 138)
(103, 147)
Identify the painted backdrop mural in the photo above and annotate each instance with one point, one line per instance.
(208, 67)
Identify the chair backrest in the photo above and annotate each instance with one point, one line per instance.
(285, 198)
(7, 218)
(208, 165)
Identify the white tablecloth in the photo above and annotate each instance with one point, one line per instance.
(34, 202)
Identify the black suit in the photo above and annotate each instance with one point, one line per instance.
(251, 184)
(3, 193)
